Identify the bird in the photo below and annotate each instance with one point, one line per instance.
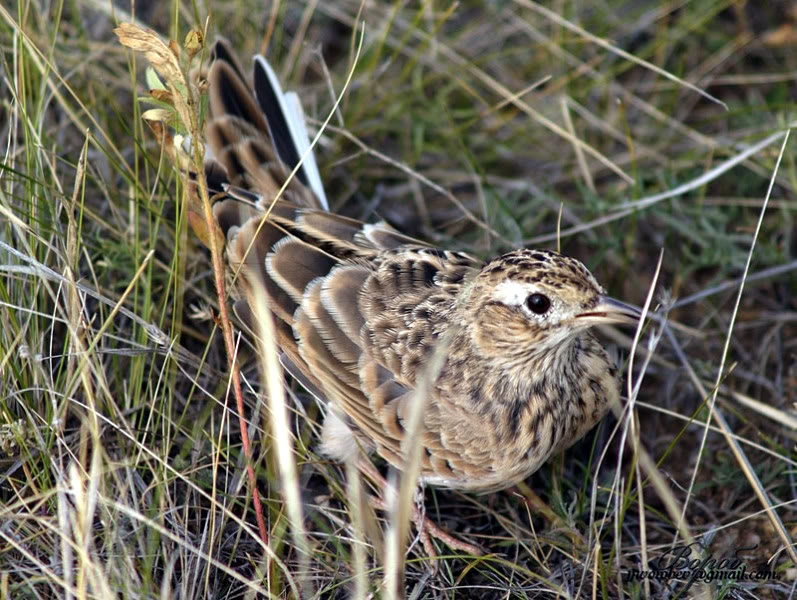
(360, 308)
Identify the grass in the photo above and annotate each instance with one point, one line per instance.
(122, 470)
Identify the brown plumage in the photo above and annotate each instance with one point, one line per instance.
(360, 308)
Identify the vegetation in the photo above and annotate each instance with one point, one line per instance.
(622, 132)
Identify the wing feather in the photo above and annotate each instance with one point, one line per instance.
(340, 295)
(293, 264)
(358, 307)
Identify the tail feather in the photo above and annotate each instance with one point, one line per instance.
(303, 143)
(256, 135)
(285, 118)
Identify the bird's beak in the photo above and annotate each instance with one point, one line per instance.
(608, 310)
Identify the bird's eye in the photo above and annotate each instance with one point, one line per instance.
(538, 304)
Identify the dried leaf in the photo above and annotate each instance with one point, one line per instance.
(161, 115)
(156, 52)
(194, 42)
(162, 96)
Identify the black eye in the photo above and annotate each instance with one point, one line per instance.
(538, 304)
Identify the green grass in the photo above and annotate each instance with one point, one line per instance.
(121, 465)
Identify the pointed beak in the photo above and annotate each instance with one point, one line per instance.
(607, 311)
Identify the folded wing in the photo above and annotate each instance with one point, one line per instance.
(358, 307)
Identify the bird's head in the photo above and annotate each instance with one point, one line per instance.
(527, 302)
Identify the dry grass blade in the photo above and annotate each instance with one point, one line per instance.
(358, 513)
(507, 94)
(44, 66)
(736, 449)
(44, 272)
(729, 285)
(582, 161)
(713, 428)
(281, 431)
(401, 503)
(628, 208)
(559, 20)
(779, 416)
(628, 421)
(633, 394)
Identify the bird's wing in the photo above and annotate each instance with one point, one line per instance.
(358, 307)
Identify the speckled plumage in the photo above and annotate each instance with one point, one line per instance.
(360, 308)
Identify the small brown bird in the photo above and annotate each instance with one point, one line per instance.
(360, 308)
